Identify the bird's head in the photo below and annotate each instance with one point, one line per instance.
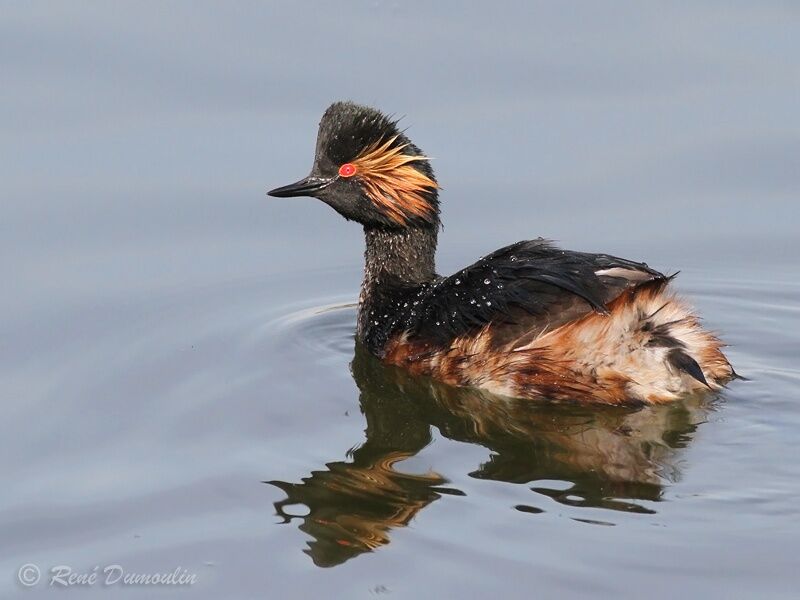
(367, 170)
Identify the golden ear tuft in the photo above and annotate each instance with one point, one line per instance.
(392, 182)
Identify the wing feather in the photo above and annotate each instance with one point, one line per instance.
(521, 289)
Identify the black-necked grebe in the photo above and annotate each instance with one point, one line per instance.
(529, 320)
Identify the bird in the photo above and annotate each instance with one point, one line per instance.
(530, 320)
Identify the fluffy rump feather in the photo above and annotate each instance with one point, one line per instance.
(649, 347)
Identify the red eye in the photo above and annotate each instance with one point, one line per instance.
(347, 170)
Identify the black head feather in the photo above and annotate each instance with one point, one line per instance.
(346, 130)
(387, 183)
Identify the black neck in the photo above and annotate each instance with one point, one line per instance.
(393, 257)
(403, 255)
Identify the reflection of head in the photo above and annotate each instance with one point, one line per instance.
(352, 506)
(608, 457)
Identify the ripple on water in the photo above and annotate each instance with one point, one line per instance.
(323, 331)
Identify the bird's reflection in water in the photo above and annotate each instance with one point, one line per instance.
(607, 457)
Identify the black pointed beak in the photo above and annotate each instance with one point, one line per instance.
(305, 187)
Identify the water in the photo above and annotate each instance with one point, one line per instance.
(178, 377)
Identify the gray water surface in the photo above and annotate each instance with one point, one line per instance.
(178, 378)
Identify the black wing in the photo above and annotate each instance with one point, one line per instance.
(524, 288)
